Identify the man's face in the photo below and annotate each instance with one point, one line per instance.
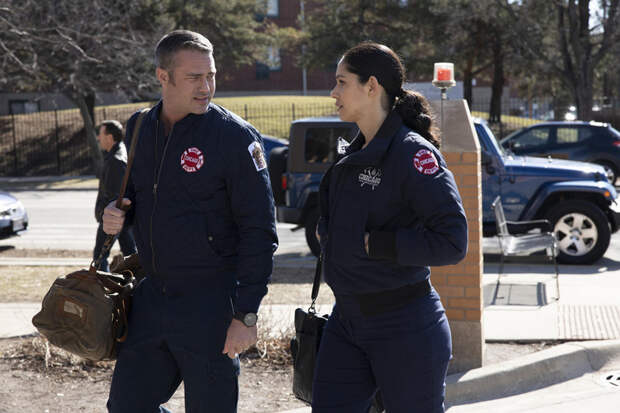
(106, 141)
(190, 85)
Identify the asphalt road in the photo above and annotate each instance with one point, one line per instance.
(65, 220)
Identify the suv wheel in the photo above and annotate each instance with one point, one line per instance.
(582, 231)
(310, 226)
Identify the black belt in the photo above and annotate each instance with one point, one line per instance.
(388, 300)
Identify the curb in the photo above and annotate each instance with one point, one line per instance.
(527, 373)
(530, 372)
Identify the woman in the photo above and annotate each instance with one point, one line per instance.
(389, 209)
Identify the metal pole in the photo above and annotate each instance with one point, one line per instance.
(444, 96)
(57, 142)
(304, 71)
(14, 145)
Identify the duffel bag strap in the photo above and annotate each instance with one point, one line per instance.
(109, 240)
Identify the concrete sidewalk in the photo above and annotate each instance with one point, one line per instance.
(575, 377)
(566, 378)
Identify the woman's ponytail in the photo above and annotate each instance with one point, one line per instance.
(416, 113)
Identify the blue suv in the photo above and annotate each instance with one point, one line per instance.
(578, 141)
(575, 197)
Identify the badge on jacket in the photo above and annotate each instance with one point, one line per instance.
(425, 162)
(192, 159)
(370, 176)
(256, 151)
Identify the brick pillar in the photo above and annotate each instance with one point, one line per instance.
(460, 286)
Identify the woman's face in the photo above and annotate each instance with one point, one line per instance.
(352, 100)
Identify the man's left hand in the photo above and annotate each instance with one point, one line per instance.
(239, 338)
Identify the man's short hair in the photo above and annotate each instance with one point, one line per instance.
(178, 40)
(114, 128)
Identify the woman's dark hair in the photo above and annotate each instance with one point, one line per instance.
(373, 59)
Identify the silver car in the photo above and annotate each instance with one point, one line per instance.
(13, 215)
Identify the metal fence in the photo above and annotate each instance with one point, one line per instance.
(54, 143)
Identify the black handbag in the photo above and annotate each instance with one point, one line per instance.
(305, 346)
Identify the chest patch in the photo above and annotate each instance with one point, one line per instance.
(256, 151)
(425, 162)
(192, 159)
(370, 176)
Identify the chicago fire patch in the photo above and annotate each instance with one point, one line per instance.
(192, 159)
(256, 151)
(425, 162)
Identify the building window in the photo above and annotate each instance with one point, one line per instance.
(273, 9)
(17, 107)
(270, 62)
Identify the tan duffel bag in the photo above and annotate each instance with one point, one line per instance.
(85, 312)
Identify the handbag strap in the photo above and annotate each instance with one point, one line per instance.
(316, 283)
(109, 240)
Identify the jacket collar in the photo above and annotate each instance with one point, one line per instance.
(378, 147)
(112, 151)
(180, 125)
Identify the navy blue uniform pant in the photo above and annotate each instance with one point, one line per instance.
(177, 331)
(404, 353)
(125, 240)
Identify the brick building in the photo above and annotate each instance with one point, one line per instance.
(276, 73)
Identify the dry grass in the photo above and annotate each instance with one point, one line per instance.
(28, 283)
(20, 283)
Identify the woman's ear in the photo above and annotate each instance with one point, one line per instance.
(374, 88)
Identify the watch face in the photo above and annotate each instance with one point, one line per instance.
(250, 319)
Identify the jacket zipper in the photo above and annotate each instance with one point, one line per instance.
(157, 174)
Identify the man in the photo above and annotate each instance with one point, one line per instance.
(201, 203)
(110, 139)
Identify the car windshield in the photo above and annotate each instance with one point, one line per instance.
(614, 132)
(493, 140)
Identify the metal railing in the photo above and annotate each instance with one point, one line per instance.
(54, 143)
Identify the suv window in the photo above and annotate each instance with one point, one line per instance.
(573, 135)
(532, 138)
(321, 143)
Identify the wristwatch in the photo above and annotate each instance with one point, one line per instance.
(248, 319)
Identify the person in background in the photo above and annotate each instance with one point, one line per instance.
(110, 138)
(390, 209)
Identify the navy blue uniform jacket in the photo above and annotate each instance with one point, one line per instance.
(114, 164)
(399, 190)
(202, 204)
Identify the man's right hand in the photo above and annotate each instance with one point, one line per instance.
(113, 217)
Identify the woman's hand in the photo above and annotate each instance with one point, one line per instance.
(366, 238)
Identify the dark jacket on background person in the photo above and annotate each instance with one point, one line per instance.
(114, 165)
(202, 205)
(399, 190)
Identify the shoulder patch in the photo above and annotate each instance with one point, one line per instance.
(256, 152)
(425, 162)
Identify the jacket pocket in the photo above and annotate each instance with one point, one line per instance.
(222, 235)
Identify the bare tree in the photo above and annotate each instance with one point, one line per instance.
(568, 39)
(78, 48)
(83, 47)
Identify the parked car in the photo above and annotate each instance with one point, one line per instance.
(13, 216)
(575, 197)
(578, 141)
